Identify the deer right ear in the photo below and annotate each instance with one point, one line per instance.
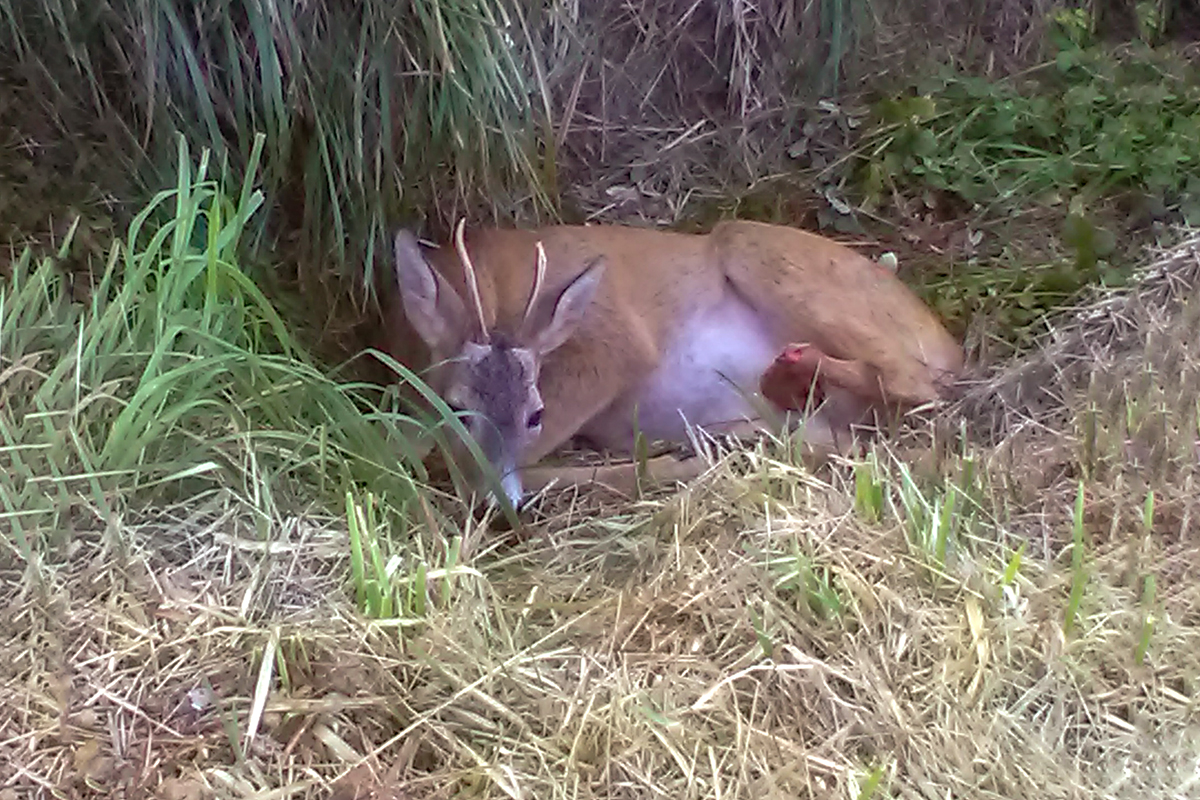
(556, 318)
(432, 306)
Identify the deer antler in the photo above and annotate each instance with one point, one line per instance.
(469, 270)
(538, 279)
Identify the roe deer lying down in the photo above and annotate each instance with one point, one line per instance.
(601, 331)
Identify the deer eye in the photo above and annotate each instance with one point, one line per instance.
(535, 419)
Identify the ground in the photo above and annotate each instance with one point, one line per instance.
(1017, 617)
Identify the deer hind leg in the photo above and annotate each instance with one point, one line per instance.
(822, 438)
(820, 441)
(813, 290)
(628, 477)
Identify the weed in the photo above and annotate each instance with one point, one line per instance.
(1148, 619)
(872, 782)
(1013, 567)
(1058, 147)
(389, 573)
(1149, 586)
(176, 375)
(813, 585)
(1078, 571)
(1091, 124)
(931, 521)
(765, 642)
(868, 489)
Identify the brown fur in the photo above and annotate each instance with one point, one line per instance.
(805, 287)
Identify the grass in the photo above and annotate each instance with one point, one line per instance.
(501, 111)
(343, 95)
(223, 575)
(177, 377)
(972, 624)
(1017, 193)
(1087, 124)
(768, 632)
(987, 624)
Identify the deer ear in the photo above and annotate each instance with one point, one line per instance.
(557, 316)
(432, 306)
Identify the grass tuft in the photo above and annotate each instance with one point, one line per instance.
(177, 377)
(370, 112)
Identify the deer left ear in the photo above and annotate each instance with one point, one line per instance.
(434, 309)
(555, 319)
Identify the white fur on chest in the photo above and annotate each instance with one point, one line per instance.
(720, 350)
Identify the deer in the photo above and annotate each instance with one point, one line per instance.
(601, 333)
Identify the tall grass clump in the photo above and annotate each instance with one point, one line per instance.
(371, 110)
(176, 377)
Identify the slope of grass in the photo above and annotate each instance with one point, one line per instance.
(752, 637)
(221, 577)
(1007, 621)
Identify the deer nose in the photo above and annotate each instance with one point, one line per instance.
(511, 484)
(502, 457)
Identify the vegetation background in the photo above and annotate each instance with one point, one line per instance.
(225, 575)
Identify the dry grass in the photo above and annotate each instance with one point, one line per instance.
(753, 636)
(1126, 365)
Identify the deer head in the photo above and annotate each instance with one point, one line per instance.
(489, 373)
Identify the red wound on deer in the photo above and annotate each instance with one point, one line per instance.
(794, 381)
(801, 376)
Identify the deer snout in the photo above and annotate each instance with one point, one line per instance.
(510, 484)
(501, 450)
